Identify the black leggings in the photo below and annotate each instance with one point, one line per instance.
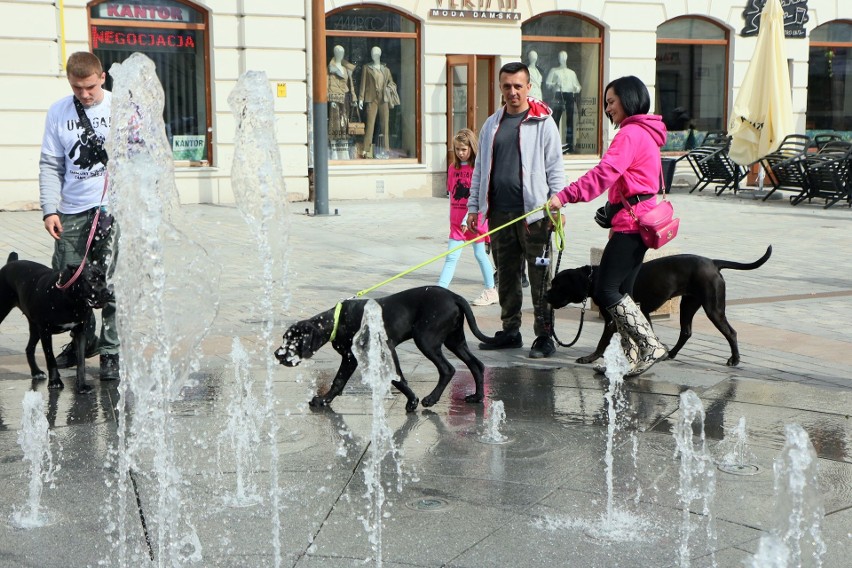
(620, 263)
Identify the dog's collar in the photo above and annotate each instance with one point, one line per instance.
(337, 309)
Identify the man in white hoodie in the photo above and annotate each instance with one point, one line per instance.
(72, 167)
(518, 169)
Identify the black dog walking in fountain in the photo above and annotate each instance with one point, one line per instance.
(430, 315)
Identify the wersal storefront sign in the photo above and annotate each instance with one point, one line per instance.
(476, 10)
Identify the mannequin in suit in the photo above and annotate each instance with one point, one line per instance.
(535, 75)
(340, 84)
(564, 85)
(374, 76)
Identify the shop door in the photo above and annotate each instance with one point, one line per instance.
(470, 93)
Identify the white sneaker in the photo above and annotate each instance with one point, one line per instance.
(487, 298)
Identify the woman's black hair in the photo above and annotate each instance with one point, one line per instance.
(633, 95)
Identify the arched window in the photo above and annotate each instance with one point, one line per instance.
(692, 79)
(373, 83)
(563, 52)
(830, 79)
(174, 35)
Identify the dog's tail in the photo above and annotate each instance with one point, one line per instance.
(720, 264)
(471, 321)
(13, 256)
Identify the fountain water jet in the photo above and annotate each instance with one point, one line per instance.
(697, 474)
(34, 438)
(736, 458)
(258, 184)
(798, 501)
(496, 416)
(241, 438)
(617, 366)
(166, 295)
(377, 369)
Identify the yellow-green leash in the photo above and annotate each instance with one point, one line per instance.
(558, 229)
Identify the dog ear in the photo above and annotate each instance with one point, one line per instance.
(312, 341)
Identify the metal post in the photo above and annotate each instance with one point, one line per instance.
(320, 109)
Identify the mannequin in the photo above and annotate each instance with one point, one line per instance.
(340, 84)
(374, 76)
(564, 84)
(535, 75)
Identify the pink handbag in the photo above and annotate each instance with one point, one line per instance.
(657, 226)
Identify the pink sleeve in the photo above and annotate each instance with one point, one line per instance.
(609, 170)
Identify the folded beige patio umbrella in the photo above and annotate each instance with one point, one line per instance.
(763, 110)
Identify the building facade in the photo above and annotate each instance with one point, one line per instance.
(403, 76)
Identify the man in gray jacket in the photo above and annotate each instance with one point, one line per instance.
(518, 169)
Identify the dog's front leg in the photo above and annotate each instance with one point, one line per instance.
(80, 348)
(402, 385)
(53, 381)
(606, 337)
(35, 372)
(347, 366)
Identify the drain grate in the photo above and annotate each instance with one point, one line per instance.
(428, 504)
(738, 469)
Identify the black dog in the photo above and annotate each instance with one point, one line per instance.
(431, 315)
(696, 278)
(32, 288)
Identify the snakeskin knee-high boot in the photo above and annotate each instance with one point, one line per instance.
(631, 320)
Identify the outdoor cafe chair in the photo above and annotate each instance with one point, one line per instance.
(828, 175)
(785, 166)
(712, 164)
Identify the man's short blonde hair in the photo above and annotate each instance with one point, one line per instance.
(83, 64)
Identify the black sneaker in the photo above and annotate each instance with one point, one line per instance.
(109, 367)
(68, 357)
(504, 340)
(542, 347)
(525, 282)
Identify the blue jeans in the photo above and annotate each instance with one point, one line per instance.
(452, 259)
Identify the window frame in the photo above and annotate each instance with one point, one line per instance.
(726, 42)
(825, 45)
(600, 41)
(416, 36)
(203, 26)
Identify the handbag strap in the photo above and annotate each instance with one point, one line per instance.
(100, 151)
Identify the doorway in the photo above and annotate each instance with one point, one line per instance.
(470, 93)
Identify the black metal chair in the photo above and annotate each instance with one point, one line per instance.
(828, 174)
(820, 140)
(785, 167)
(712, 164)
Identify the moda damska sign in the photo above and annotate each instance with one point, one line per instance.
(476, 10)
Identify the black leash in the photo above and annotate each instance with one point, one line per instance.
(552, 311)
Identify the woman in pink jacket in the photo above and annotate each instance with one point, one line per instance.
(631, 168)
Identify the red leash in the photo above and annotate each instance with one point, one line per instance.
(90, 239)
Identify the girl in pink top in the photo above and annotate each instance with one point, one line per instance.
(458, 187)
(631, 168)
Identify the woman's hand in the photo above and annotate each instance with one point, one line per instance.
(555, 204)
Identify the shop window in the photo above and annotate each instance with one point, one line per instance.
(373, 84)
(174, 35)
(830, 80)
(692, 74)
(563, 52)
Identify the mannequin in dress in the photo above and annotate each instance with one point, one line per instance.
(340, 84)
(535, 75)
(374, 76)
(564, 85)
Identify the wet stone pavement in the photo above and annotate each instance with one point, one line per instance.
(540, 498)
